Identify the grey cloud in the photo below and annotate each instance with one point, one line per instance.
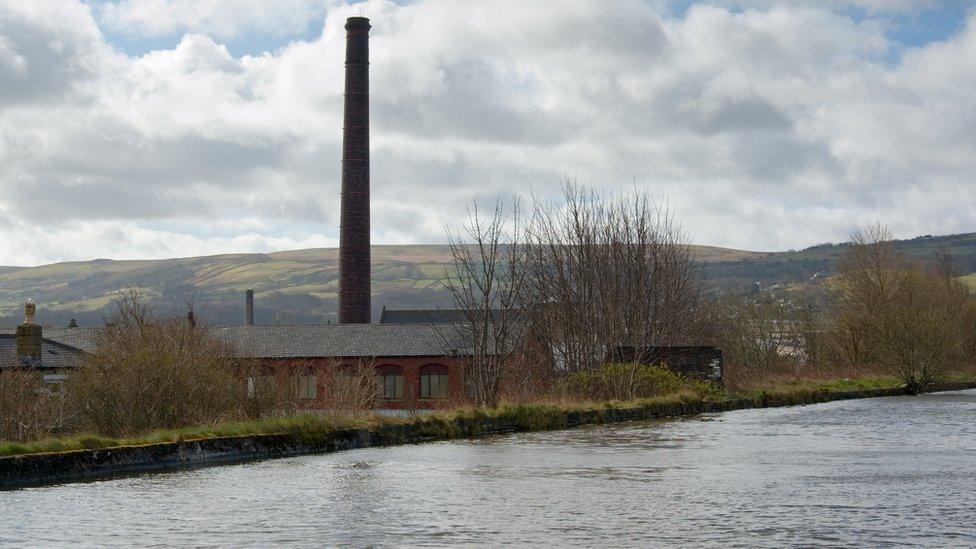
(40, 61)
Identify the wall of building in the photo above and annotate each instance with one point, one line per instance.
(410, 367)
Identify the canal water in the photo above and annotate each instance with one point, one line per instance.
(878, 472)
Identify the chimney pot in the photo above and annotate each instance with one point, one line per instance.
(249, 307)
(29, 310)
(29, 334)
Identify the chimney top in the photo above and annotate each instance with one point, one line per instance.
(29, 310)
(29, 334)
(249, 307)
(357, 23)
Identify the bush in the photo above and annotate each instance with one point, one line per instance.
(628, 381)
(149, 372)
(28, 409)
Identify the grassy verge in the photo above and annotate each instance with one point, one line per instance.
(798, 387)
(456, 423)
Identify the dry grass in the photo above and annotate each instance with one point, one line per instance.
(740, 379)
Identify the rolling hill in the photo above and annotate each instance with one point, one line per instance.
(299, 286)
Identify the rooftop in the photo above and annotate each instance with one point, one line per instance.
(343, 340)
(54, 354)
(306, 341)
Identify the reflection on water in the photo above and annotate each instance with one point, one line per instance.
(869, 472)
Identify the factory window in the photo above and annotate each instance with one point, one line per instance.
(306, 387)
(391, 382)
(434, 381)
(260, 386)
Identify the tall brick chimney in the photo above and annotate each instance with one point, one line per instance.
(354, 260)
(29, 335)
(249, 307)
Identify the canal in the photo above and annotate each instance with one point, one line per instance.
(892, 471)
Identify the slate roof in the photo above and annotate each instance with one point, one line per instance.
(79, 338)
(343, 340)
(425, 316)
(310, 341)
(54, 355)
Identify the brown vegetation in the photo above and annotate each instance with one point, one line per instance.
(152, 372)
(884, 316)
(586, 275)
(28, 409)
(352, 388)
(487, 283)
(913, 320)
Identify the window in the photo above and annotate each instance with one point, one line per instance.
(434, 381)
(391, 382)
(306, 387)
(259, 386)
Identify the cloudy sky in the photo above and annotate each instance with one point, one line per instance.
(162, 128)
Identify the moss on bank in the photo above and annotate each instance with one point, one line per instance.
(317, 429)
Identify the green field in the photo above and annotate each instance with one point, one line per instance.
(298, 286)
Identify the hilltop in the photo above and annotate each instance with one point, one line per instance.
(299, 286)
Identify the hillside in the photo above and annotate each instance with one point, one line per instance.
(299, 286)
(800, 266)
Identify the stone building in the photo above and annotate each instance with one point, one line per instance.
(26, 348)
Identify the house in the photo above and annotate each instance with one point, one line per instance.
(26, 349)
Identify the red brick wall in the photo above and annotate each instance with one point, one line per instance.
(324, 367)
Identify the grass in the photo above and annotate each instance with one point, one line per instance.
(312, 427)
(969, 280)
(305, 423)
(456, 423)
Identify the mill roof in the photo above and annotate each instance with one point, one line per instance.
(428, 316)
(304, 341)
(343, 340)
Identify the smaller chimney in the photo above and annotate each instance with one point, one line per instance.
(249, 307)
(29, 334)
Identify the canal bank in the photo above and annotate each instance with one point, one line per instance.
(312, 437)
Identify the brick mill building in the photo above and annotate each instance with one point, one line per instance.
(417, 366)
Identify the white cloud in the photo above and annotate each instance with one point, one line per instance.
(218, 18)
(774, 127)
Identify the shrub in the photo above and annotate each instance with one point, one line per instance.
(28, 409)
(150, 372)
(628, 381)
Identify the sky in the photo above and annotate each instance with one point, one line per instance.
(137, 129)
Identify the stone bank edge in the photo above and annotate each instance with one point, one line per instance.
(57, 467)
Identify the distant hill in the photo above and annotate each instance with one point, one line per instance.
(803, 265)
(299, 286)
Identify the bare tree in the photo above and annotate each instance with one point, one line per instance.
(605, 272)
(352, 387)
(909, 319)
(486, 283)
(29, 409)
(757, 334)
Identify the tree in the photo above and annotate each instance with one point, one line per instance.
(604, 272)
(486, 283)
(911, 320)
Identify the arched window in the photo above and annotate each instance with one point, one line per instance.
(390, 382)
(434, 381)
